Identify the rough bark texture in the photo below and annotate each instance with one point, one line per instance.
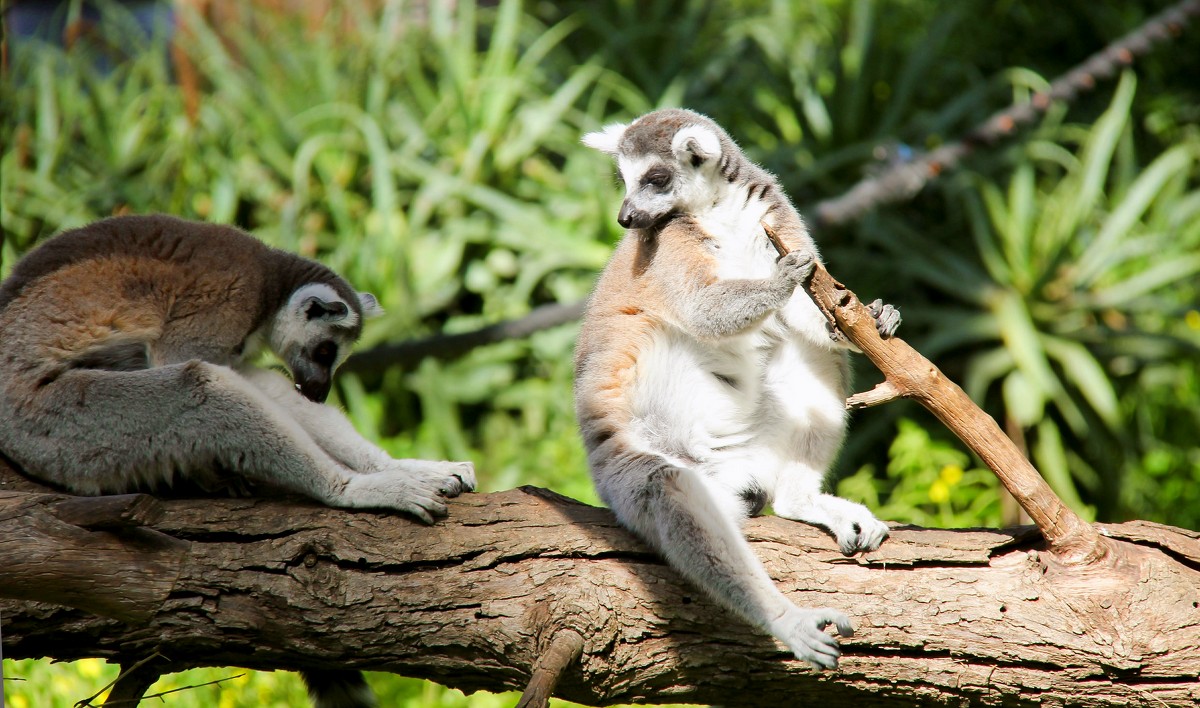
(499, 588)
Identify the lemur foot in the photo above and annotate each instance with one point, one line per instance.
(418, 487)
(853, 525)
(887, 318)
(803, 631)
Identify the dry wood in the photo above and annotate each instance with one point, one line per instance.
(111, 512)
(910, 375)
(481, 600)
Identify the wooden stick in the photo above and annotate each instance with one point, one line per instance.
(564, 650)
(910, 375)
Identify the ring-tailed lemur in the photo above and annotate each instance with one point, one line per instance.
(707, 385)
(121, 367)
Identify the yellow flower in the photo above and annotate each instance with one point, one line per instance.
(1192, 318)
(951, 474)
(939, 492)
(90, 668)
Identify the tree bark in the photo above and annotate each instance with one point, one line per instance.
(515, 584)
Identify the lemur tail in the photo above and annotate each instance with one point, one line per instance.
(338, 689)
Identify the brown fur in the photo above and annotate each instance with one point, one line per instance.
(184, 289)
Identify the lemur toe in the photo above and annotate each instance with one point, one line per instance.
(887, 318)
(866, 536)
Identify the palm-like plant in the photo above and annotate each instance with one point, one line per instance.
(1077, 270)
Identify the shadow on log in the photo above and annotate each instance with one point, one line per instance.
(512, 582)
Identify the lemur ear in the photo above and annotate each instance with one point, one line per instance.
(316, 308)
(606, 140)
(370, 306)
(695, 144)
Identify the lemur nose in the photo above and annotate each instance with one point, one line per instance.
(625, 218)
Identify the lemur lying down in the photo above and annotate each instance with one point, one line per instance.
(123, 350)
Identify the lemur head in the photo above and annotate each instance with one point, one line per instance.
(314, 331)
(669, 161)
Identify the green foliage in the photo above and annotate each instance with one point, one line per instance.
(1078, 275)
(435, 165)
(927, 482)
(39, 684)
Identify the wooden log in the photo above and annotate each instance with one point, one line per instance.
(477, 602)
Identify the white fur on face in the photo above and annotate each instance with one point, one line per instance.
(632, 169)
(293, 328)
(644, 197)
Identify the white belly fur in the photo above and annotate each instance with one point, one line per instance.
(781, 405)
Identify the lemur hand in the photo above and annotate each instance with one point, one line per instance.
(795, 268)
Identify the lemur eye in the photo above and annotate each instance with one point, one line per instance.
(325, 353)
(658, 180)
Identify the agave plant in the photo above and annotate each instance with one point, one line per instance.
(1064, 294)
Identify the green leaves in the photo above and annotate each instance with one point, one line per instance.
(436, 162)
(928, 482)
(1079, 249)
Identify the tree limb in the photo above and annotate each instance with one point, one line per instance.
(499, 591)
(904, 180)
(910, 375)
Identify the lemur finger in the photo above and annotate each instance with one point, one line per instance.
(864, 540)
(422, 515)
(796, 266)
(823, 657)
(427, 509)
(827, 616)
(465, 475)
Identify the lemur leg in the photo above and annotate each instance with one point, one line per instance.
(97, 431)
(741, 481)
(330, 429)
(808, 411)
(671, 509)
(798, 497)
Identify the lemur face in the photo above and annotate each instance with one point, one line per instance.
(667, 160)
(313, 335)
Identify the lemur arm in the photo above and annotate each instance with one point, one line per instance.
(333, 432)
(727, 307)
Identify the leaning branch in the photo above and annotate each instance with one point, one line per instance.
(910, 375)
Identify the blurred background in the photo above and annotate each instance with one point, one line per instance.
(429, 151)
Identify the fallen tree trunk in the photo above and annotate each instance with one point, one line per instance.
(975, 617)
